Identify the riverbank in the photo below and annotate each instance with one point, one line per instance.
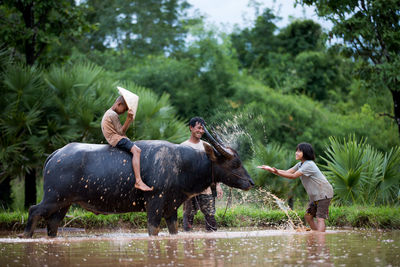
(240, 216)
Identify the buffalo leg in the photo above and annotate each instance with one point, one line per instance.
(153, 217)
(54, 220)
(35, 213)
(33, 218)
(172, 223)
(153, 225)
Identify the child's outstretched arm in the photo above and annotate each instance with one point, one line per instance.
(129, 119)
(290, 174)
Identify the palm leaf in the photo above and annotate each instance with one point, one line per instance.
(389, 183)
(344, 168)
(156, 118)
(372, 172)
(273, 155)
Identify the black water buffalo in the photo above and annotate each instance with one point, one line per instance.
(100, 179)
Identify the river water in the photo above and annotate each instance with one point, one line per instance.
(233, 247)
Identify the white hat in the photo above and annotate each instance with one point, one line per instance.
(130, 98)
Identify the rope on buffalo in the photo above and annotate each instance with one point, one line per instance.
(228, 202)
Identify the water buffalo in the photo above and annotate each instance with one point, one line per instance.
(100, 179)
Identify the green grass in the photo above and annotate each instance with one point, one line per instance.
(365, 217)
(239, 216)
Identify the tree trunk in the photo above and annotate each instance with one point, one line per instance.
(396, 107)
(5, 194)
(28, 15)
(30, 188)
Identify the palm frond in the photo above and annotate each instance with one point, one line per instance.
(156, 118)
(85, 74)
(273, 155)
(5, 58)
(372, 172)
(388, 185)
(344, 168)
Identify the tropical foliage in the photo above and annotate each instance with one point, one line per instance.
(155, 118)
(262, 88)
(42, 110)
(370, 31)
(362, 175)
(138, 27)
(40, 29)
(280, 158)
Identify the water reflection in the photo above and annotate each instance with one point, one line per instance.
(249, 248)
(317, 250)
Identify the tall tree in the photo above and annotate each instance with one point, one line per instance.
(371, 29)
(324, 75)
(34, 27)
(203, 75)
(300, 36)
(5, 186)
(254, 45)
(23, 94)
(141, 26)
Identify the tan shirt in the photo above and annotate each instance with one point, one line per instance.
(112, 127)
(199, 146)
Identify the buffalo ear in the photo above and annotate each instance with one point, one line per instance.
(210, 151)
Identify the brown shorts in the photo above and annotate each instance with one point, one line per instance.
(319, 208)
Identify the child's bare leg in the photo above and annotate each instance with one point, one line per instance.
(320, 224)
(310, 220)
(139, 184)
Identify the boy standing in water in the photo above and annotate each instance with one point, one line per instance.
(115, 134)
(318, 188)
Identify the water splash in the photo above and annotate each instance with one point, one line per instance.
(230, 132)
(286, 209)
(269, 201)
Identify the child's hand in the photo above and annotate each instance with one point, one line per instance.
(266, 167)
(131, 114)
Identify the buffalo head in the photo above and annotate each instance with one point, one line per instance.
(227, 166)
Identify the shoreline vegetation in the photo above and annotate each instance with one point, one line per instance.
(239, 216)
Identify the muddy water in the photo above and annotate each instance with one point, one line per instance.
(240, 247)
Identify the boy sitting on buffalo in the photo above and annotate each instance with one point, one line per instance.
(115, 134)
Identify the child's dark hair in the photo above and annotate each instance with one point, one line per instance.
(308, 151)
(193, 121)
(120, 99)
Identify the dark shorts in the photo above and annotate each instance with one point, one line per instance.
(319, 208)
(125, 144)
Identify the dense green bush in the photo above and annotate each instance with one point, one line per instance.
(274, 155)
(199, 79)
(290, 119)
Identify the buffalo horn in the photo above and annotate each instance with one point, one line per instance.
(218, 146)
